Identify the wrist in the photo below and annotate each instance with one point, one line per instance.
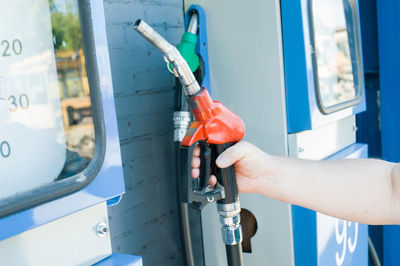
(269, 180)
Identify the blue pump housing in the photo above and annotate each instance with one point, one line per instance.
(202, 44)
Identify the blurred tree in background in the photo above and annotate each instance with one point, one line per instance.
(66, 28)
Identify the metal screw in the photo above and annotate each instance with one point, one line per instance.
(102, 229)
(210, 199)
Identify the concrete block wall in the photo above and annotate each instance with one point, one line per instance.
(146, 221)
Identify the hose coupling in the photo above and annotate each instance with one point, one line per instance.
(230, 223)
(181, 124)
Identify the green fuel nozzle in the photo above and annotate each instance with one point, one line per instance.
(188, 43)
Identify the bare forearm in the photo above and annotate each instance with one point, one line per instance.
(358, 190)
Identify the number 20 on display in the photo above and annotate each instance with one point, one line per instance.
(10, 48)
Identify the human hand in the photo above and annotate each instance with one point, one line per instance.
(250, 166)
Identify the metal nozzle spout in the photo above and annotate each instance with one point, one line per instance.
(194, 23)
(181, 68)
(152, 36)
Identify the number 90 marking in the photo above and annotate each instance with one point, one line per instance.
(5, 149)
(347, 242)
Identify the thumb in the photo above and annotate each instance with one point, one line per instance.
(232, 154)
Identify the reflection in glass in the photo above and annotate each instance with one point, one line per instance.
(334, 33)
(73, 85)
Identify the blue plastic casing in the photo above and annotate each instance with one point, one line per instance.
(302, 108)
(108, 183)
(312, 248)
(389, 64)
(369, 35)
(202, 44)
(117, 259)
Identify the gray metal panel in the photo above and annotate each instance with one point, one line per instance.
(271, 245)
(246, 72)
(246, 66)
(324, 141)
(273, 242)
(71, 240)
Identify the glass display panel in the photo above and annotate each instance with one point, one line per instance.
(46, 124)
(337, 60)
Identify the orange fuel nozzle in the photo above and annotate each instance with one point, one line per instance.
(214, 123)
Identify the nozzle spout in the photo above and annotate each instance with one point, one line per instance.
(180, 67)
(194, 23)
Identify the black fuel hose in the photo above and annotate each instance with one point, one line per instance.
(184, 218)
(234, 255)
(373, 255)
(181, 105)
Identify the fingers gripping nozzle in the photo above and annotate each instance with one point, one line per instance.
(195, 191)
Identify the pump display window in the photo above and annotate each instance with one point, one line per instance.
(336, 54)
(47, 129)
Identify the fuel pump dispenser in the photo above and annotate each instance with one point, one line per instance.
(215, 129)
(293, 72)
